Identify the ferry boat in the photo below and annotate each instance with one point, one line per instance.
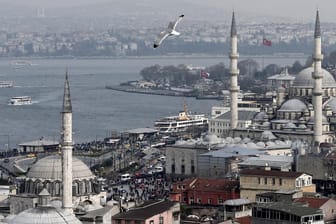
(181, 122)
(6, 84)
(21, 64)
(20, 100)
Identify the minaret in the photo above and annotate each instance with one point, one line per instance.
(67, 146)
(317, 91)
(234, 88)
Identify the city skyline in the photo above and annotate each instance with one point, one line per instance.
(211, 10)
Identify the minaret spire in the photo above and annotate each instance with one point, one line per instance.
(234, 71)
(317, 90)
(67, 146)
(233, 25)
(317, 32)
(67, 107)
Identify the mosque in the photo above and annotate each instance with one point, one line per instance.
(58, 186)
(303, 113)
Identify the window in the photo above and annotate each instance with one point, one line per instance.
(192, 169)
(160, 220)
(209, 201)
(280, 181)
(182, 169)
(176, 216)
(151, 222)
(265, 180)
(273, 181)
(259, 180)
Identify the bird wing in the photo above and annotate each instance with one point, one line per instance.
(163, 35)
(172, 25)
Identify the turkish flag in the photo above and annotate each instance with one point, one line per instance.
(204, 74)
(267, 42)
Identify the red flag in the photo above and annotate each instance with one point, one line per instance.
(267, 42)
(204, 74)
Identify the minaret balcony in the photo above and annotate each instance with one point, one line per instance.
(318, 57)
(317, 75)
(234, 89)
(234, 55)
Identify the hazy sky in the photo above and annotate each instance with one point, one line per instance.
(294, 9)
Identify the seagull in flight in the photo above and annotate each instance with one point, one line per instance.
(170, 31)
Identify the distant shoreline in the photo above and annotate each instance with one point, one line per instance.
(282, 55)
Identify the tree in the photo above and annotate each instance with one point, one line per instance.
(248, 68)
(296, 68)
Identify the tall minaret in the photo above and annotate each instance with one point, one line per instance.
(234, 88)
(67, 146)
(317, 91)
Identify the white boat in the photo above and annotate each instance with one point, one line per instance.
(6, 84)
(21, 64)
(180, 123)
(20, 100)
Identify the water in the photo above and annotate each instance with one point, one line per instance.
(96, 110)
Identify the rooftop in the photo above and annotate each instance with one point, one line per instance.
(289, 208)
(269, 173)
(145, 211)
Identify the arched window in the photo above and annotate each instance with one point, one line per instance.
(57, 190)
(75, 188)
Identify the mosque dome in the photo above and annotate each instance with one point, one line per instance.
(332, 103)
(312, 119)
(293, 105)
(44, 215)
(290, 125)
(305, 78)
(50, 168)
(260, 115)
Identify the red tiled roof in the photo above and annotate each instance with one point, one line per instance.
(202, 184)
(269, 173)
(244, 220)
(313, 202)
(145, 211)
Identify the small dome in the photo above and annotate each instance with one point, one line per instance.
(302, 126)
(266, 124)
(212, 139)
(251, 145)
(312, 119)
(269, 143)
(260, 144)
(305, 79)
(268, 135)
(246, 140)
(332, 103)
(236, 140)
(289, 125)
(44, 215)
(295, 105)
(50, 168)
(260, 115)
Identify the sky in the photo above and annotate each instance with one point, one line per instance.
(212, 9)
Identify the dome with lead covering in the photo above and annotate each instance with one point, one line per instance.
(332, 104)
(294, 105)
(50, 168)
(305, 79)
(44, 215)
